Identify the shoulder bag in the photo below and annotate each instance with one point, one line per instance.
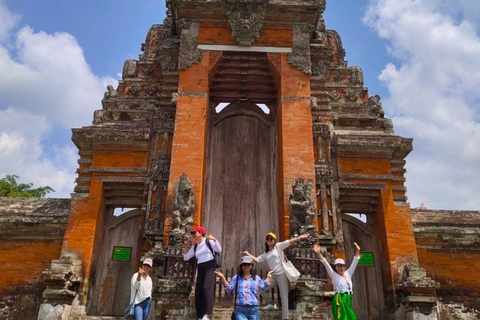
(290, 271)
(130, 309)
(216, 256)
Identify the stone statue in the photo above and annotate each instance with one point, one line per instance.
(183, 207)
(355, 76)
(303, 211)
(374, 101)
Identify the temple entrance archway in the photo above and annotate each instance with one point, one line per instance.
(368, 301)
(241, 183)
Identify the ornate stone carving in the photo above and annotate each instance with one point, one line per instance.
(189, 53)
(165, 123)
(388, 125)
(302, 208)
(374, 101)
(110, 93)
(166, 62)
(129, 69)
(355, 75)
(338, 76)
(352, 95)
(320, 68)
(245, 18)
(148, 70)
(160, 169)
(135, 89)
(338, 45)
(300, 55)
(182, 216)
(334, 95)
(152, 89)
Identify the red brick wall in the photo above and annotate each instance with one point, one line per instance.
(448, 245)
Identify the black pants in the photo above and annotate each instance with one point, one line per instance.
(204, 288)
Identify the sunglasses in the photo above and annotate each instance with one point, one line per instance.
(246, 264)
(193, 232)
(339, 265)
(270, 238)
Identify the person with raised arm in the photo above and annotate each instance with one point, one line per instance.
(342, 282)
(247, 287)
(272, 256)
(203, 250)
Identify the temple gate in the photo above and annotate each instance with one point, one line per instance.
(159, 144)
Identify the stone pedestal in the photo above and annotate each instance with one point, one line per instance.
(172, 298)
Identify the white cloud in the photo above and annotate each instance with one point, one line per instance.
(8, 21)
(434, 95)
(46, 88)
(22, 152)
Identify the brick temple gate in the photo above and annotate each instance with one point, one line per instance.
(324, 149)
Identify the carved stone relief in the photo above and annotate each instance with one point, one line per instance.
(320, 68)
(334, 95)
(300, 55)
(152, 89)
(189, 53)
(129, 69)
(302, 208)
(245, 19)
(355, 75)
(135, 89)
(339, 46)
(182, 216)
(165, 123)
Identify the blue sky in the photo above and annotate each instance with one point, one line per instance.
(422, 57)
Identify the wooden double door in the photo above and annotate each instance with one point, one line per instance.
(240, 204)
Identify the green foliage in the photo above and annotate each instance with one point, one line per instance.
(9, 187)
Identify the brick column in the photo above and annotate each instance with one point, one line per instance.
(189, 138)
(295, 136)
(399, 248)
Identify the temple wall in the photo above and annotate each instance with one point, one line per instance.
(448, 245)
(31, 233)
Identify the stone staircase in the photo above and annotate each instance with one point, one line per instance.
(223, 313)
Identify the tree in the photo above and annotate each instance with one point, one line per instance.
(9, 187)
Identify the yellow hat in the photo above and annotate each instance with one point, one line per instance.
(271, 234)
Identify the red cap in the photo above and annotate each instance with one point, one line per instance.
(201, 230)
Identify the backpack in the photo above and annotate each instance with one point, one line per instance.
(216, 255)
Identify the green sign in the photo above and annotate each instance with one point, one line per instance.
(366, 259)
(122, 253)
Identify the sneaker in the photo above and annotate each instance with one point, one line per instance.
(205, 317)
(270, 307)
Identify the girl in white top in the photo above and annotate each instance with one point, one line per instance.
(141, 290)
(278, 277)
(205, 269)
(342, 282)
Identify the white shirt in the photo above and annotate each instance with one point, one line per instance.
(144, 287)
(339, 283)
(203, 254)
(273, 259)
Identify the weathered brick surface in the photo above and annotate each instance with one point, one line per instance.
(189, 141)
(295, 144)
(448, 245)
(31, 233)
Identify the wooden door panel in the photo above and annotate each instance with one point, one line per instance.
(240, 191)
(110, 292)
(367, 283)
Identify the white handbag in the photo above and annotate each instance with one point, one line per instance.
(290, 271)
